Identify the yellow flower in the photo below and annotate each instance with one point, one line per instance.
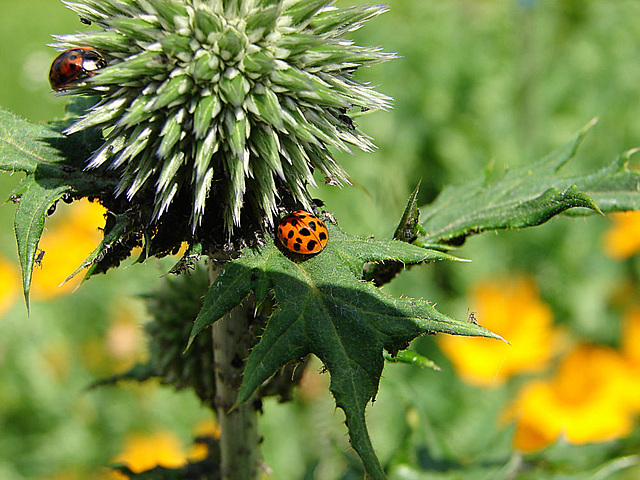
(207, 428)
(66, 245)
(630, 349)
(585, 401)
(513, 309)
(622, 239)
(144, 452)
(9, 285)
(630, 343)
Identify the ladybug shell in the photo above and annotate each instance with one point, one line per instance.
(302, 232)
(73, 65)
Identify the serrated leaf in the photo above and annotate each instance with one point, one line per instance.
(523, 197)
(614, 188)
(41, 150)
(325, 308)
(35, 201)
(21, 145)
(53, 163)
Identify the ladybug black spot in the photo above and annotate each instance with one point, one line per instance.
(322, 236)
(312, 225)
(304, 232)
(296, 247)
(298, 240)
(311, 244)
(290, 234)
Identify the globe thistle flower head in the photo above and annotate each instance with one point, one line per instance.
(229, 105)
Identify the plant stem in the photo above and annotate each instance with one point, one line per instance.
(239, 439)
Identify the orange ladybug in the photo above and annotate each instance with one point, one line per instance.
(302, 232)
(72, 65)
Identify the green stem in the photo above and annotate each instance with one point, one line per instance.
(240, 457)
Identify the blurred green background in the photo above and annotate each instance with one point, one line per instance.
(477, 81)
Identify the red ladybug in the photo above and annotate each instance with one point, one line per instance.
(72, 65)
(302, 232)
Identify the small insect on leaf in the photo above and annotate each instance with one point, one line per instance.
(302, 232)
(37, 261)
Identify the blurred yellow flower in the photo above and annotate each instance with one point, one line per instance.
(198, 451)
(630, 343)
(584, 402)
(511, 308)
(144, 452)
(207, 428)
(124, 341)
(622, 239)
(630, 349)
(9, 285)
(66, 245)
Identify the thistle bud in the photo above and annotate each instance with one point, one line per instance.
(220, 110)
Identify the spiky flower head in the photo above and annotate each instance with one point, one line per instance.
(228, 105)
(173, 308)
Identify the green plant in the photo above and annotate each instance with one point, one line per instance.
(184, 145)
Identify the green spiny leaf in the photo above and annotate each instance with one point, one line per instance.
(36, 199)
(22, 144)
(325, 308)
(614, 187)
(523, 197)
(53, 163)
(225, 295)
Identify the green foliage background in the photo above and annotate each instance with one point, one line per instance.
(478, 81)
